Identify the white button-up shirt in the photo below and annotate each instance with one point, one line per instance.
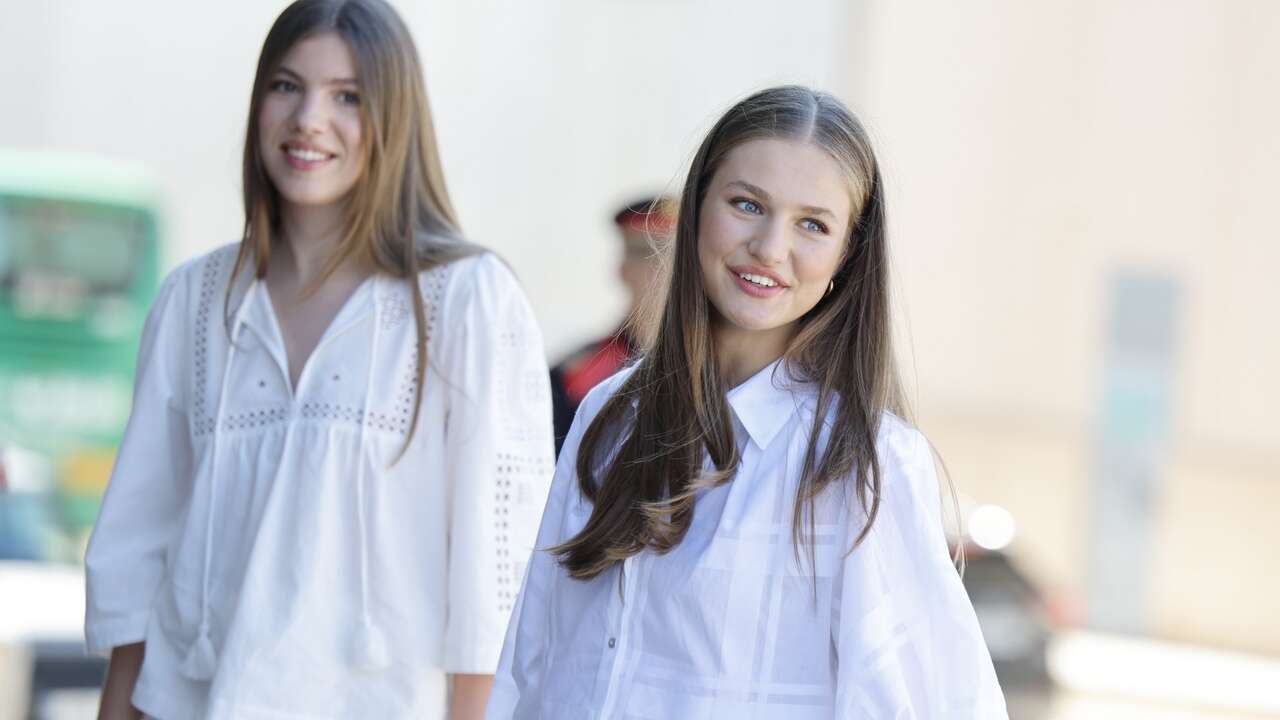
(260, 539)
(730, 625)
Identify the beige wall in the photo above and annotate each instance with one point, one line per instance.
(1034, 148)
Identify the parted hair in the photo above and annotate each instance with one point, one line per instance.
(398, 216)
(641, 459)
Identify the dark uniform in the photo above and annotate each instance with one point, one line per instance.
(574, 376)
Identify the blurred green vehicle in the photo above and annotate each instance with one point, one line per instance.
(79, 267)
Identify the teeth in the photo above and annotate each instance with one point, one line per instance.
(307, 155)
(758, 280)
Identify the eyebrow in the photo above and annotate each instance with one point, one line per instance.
(331, 81)
(760, 192)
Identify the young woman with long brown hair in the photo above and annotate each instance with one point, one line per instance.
(742, 525)
(340, 441)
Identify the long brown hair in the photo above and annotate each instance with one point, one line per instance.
(398, 216)
(641, 459)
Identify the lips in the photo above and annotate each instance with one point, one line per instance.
(757, 282)
(305, 157)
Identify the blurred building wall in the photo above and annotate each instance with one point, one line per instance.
(1034, 150)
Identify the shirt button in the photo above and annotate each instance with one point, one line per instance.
(612, 642)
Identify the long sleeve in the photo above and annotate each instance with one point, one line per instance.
(524, 651)
(907, 639)
(499, 446)
(149, 486)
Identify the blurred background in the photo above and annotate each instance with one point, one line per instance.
(1083, 216)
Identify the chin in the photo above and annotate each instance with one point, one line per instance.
(309, 197)
(755, 323)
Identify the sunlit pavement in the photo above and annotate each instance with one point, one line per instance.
(1111, 677)
(82, 705)
(1098, 677)
(1080, 708)
(1068, 705)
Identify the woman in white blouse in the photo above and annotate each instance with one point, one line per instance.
(341, 433)
(741, 525)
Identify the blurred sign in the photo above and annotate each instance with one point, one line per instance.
(1143, 321)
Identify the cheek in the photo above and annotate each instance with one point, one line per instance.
(352, 131)
(815, 266)
(273, 113)
(715, 242)
(715, 236)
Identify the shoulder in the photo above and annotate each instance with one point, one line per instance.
(476, 273)
(909, 478)
(195, 282)
(199, 285)
(588, 409)
(480, 283)
(191, 270)
(596, 398)
(212, 266)
(899, 440)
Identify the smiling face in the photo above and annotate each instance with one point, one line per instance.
(310, 135)
(772, 232)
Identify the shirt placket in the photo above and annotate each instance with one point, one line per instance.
(618, 640)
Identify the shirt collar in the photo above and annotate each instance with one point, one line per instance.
(257, 308)
(766, 401)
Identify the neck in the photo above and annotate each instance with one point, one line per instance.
(743, 353)
(309, 238)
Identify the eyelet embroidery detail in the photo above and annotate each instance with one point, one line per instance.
(513, 481)
(432, 284)
(395, 310)
(255, 419)
(524, 386)
(402, 414)
(212, 283)
(333, 412)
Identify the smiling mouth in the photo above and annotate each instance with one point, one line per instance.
(760, 280)
(756, 284)
(307, 155)
(302, 158)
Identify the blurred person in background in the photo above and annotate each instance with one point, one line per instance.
(742, 524)
(641, 226)
(341, 439)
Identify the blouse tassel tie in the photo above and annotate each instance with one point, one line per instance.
(201, 660)
(371, 652)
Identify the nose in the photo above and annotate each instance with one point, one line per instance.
(308, 114)
(771, 244)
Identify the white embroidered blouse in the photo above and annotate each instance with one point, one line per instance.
(729, 624)
(260, 538)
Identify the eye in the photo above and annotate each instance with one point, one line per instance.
(285, 86)
(747, 205)
(348, 97)
(814, 226)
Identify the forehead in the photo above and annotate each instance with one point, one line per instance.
(793, 172)
(323, 56)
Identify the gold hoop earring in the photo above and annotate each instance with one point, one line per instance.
(831, 286)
